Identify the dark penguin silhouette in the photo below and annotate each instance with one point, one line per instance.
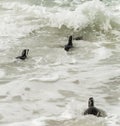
(69, 45)
(91, 109)
(23, 55)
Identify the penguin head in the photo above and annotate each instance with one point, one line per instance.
(91, 102)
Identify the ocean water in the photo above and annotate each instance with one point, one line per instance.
(52, 86)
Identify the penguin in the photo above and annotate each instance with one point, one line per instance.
(92, 109)
(23, 55)
(69, 45)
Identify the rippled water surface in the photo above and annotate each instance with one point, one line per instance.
(52, 86)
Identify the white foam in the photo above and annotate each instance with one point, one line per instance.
(112, 120)
(102, 53)
(89, 13)
(34, 122)
(46, 78)
(69, 112)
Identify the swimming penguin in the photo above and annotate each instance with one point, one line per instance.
(23, 55)
(91, 109)
(69, 45)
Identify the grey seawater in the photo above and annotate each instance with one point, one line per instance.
(52, 86)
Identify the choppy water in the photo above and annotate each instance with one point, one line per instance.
(52, 87)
